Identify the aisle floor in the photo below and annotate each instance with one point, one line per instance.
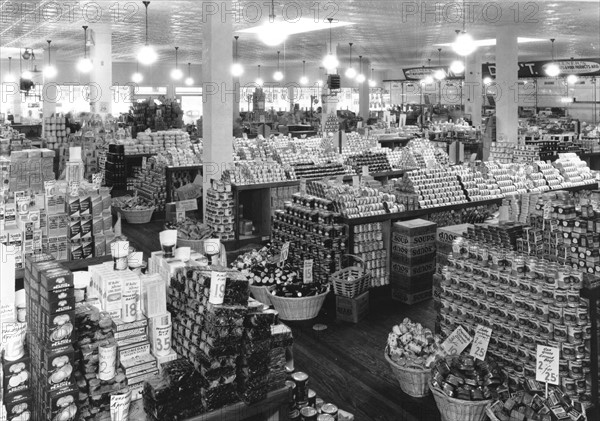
(346, 361)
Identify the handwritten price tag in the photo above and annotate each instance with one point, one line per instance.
(355, 180)
(217, 287)
(457, 341)
(481, 342)
(546, 369)
(365, 170)
(308, 271)
(285, 250)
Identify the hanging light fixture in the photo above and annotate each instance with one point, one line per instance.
(439, 73)
(457, 66)
(304, 79)
(487, 80)
(259, 80)
(189, 81)
(137, 77)
(85, 64)
(27, 75)
(236, 68)
(270, 33)
(9, 78)
(49, 70)
(176, 73)
(552, 69)
(464, 43)
(147, 55)
(350, 72)
(278, 75)
(427, 80)
(372, 82)
(361, 77)
(572, 78)
(330, 62)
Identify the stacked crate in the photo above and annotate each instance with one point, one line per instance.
(115, 168)
(413, 260)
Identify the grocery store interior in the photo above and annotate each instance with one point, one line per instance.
(307, 210)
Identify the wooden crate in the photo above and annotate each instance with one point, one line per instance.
(352, 309)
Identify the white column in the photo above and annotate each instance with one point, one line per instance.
(236, 99)
(363, 92)
(507, 107)
(50, 94)
(472, 92)
(291, 92)
(217, 95)
(101, 87)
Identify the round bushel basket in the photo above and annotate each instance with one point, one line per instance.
(262, 293)
(298, 308)
(452, 409)
(413, 380)
(138, 216)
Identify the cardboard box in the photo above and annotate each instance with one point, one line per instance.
(410, 298)
(412, 283)
(19, 407)
(404, 269)
(16, 375)
(413, 255)
(352, 309)
(447, 235)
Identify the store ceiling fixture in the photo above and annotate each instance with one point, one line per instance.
(330, 62)
(137, 77)
(49, 71)
(439, 73)
(350, 72)
(487, 80)
(457, 67)
(147, 55)
(572, 78)
(236, 68)
(189, 81)
(85, 64)
(552, 69)
(491, 42)
(361, 77)
(259, 80)
(10, 78)
(304, 79)
(372, 82)
(176, 73)
(278, 76)
(464, 44)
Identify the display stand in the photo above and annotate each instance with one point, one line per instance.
(393, 143)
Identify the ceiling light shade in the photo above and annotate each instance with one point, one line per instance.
(237, 70)
(137, 77)
(487, 80)
(372, 83)
(361, 78)
(176, 74)
(259, 81)
(330, 62)
(50, 71)
(552, 70)
(189, 81)
(147, 55)
(304, 80)
(350, 73)
(457, 67)
(27, 75)
(439, 74)
(278, 75)
(464, 44)
(572, 79)
(271, 35)
(85, 65)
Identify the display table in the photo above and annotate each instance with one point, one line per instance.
(395, 142)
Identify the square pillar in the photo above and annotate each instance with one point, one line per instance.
(507, 67)
(101, 87)
(472, 92)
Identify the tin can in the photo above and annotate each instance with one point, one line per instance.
(560, 297)
(503, 282)
(575, 334)
(536, 289)
(573, 298)
(330, 409)
(541, 311)
(582, 315)
(567, 350)
(560, 333)
(555, 315)
(513, 283)
(568, 385)
(547, 294)
(576, 369)
(570, 316)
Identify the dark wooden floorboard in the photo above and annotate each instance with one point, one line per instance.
(345, 362)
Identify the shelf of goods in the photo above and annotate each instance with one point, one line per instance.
(149, 115)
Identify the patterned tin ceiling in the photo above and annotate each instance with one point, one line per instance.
(390, 33)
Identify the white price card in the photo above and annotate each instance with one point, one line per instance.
(457, 341)
(308, 271)
(356, 180)
(365, 170)
(217, 287)
(303, 186)
(481, 342)
(547, 366)
(285, 250)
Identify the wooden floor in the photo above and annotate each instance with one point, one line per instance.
(345, 362)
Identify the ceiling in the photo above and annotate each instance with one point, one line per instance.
(390, 33)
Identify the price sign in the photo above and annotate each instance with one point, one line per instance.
(457, 341)
(547, 210)
(356, 180)
(285, 250)
(546, 369)
(308, 271)
(365, 170)
(217, 287)
(481, 342)
(303, 185)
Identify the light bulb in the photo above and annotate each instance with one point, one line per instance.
(464, 44)
(278, 75)
(272, 35)
(439, 74)
(27, 75)
(259, 81)
(189, 81)
(360, 78)
(330, 62)
(428, 80)
(320, 82)
(304, 80)
(572, 79)
(457, 66)
(137, 77)
(9, 78)
(237, 70)
(487, 80)
(50, 71)
(176, 74)
(147, 55)
(85, 65)
(552, 70)
(372, 83)
(350, 73)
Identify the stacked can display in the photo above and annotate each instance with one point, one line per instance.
(150, 183)
(369, 246)
(51, 320)
(219, 210)
(526, 301)
(413, 260)
(115, 169)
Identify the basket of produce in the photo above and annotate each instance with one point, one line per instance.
(411, 350)
(262, 272)
(134, 209)
(463, 386)
(351, 281)
(295, 300)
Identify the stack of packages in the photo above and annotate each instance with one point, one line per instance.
(501, 236)
(413, 260)
(208, 308)
(51, 320)
(281, 339)
(16, 384)
(219, 210)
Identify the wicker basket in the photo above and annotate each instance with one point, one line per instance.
(298, 308)
(262, 293)
(360, 283)
(137, 216)
(198, 245)
(493, 417)
(453, 409)
(413, 381)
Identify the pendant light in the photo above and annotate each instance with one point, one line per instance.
(278, 76)
(176, 73)
(457, 66)
(372, 82)
(427, 80)
(49, 70)
(464, 43)
(137, 77)
(361, 77)
(572, 78)
(85, 64)
(330, 62)
(236, 68)
(259, 80)
(147, 55)
(552, 69)
(9, 78)
(27, 75)
(304, 79)
(350, 72)
(189, 81)
(272, 34)
(439, 73)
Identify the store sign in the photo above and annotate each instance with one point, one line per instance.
(481, 342)
(547, 366)
(418, 73)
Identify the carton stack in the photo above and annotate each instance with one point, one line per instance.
(29, 169)
(51, 320)
(16, 387)
(413, 260)
(219, 210)
(281, 339)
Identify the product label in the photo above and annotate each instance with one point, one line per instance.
(217, 287)
(107, 362)
(481, 342)
(161, 340)
(547, 364)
